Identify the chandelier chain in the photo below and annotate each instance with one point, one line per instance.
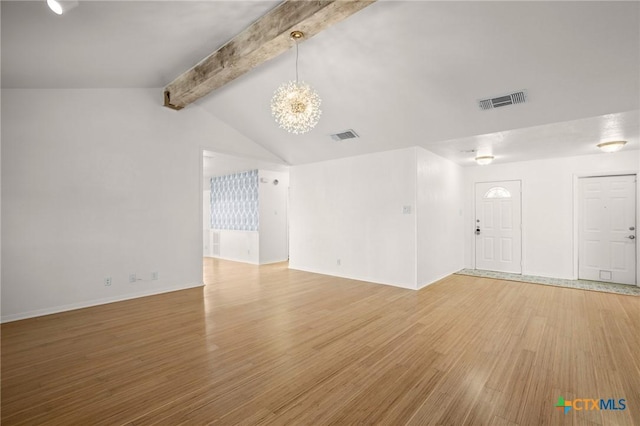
(296, 60)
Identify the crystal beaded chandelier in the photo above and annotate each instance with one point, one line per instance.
(295, 105)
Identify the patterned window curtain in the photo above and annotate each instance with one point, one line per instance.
(234, 201)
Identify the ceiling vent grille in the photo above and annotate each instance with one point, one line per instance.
(347, 134)
(500, 101)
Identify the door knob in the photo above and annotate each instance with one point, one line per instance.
(478, 230)
(631, 237)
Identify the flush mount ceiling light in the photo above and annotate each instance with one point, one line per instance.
(484, 160)
(612, 146)
(60, 7)
(295, 105)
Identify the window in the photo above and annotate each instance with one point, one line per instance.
(497, 192)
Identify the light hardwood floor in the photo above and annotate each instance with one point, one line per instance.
(268, 345)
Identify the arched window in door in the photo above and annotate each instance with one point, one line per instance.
(497, 192)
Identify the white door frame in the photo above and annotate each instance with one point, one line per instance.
(576, 223)
(522, 217)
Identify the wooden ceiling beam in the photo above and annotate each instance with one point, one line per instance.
(265, 39)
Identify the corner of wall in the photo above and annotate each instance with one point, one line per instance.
(440, 248)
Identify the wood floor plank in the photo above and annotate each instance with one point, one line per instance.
(269, 345)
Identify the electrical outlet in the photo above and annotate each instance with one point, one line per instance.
(132, 278)
(406, 209)
(107, 281)
(338, 262)
(154, 276)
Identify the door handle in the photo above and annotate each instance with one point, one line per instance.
(631, 237)
(477, 230)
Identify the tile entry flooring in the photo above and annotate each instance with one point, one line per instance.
(558, 282)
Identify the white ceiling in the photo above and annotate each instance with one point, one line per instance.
(575, 137)
(398, 73)
(115, 44)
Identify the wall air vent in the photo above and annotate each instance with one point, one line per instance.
(500, 101)
(347, 134)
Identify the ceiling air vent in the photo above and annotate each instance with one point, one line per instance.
(347, 134)
(500, 101)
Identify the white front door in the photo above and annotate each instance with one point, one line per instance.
(498, 227)
(607, 229)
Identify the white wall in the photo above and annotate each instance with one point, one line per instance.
(548, 215)
(102, 183)
(440, 240)
(352, 209)
(274, 243)
(206, 209)
(239, 246)
(206, 223)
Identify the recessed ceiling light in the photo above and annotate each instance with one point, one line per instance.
(61, 6)
(612, 146)
(484, 160)
(55, 6)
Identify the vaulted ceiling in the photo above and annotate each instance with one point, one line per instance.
(400, 73)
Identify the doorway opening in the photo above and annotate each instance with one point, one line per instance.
(245, 206)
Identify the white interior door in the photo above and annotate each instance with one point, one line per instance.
(607, 229)
(498, 227)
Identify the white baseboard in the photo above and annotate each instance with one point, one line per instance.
(235, 259)
(94, 302)
(250, 262)
(350, 277)
(421, 286)
(272, 261)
